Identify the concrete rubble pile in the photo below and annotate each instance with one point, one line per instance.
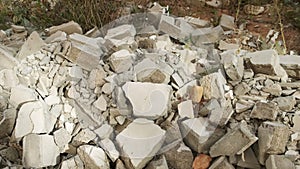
(156, 95)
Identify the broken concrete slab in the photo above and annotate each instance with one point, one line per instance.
(179, 157)
(199, 23)
(213, 85)
(121, 61)
(227, 22)
(104, 131)
(267, 62)
(68, 28)
(121, 32)
(101, 103)
(167, 25)
(285, 103)
(241, 89)
(291, 64)
(62, 138)
(96, 78)
(233, 65)
(21, 94)
(149, 138)
(8, 61)
(39, 151)
(110, 149)
(7, 122)
(185, 109)
(33, 44)
(273, 137)
(93, 157)
(8, 78)
(274, 89)
(148, 99)
(248, 160)
(58, 36)
(72, 163)
(221, 163)
(227, 46)
(203, 36)
(159, 163)
(279, 161)
(84, 136)
(241, 133)
(264, 111)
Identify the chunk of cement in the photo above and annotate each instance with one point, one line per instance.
(185, 109)
(279, 162)
(159, 163)
(144, 134)
(264, 111)
(121, 61)
(273, 137)
(179, 157)
(241, 133)
(8, 61)
(285, 103)
(39, 151)
(148, 99)
(227, 22)
(213, 86)
(221, 163)
(68, 28)
(72, 163)
(233, 65)
(291, 64)
(93, 157)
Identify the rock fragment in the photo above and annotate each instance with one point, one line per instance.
(101, 103)
(273, 137)
(248, 159)
(110, 149)
(202, 161)
(241, 133)
(233, 65)
(72, 163)
(179, 157)
(39, 151)
(8, 78)
(227, 22)
(196, 93)
(285, 103)
(213, 86)
(159, 163)
(264, 111)
(279, 161)
(221, 162)
(146, 135)
(8, 61)
(62, 137)
(93, 157)
(121, 61)
(206, 35)
(7, 122)
(291, 64)
(69, 28)
(185, 109)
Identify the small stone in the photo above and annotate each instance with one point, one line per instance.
(264, 111)
(248, 74)
(145, 134)
(101, 103)
(39, 151)
(274, 89)
(279, 161)
(273, 137)
(253, 10)
(241, 133)
(214, 3)
(96, 78)
(107, 88)
(93, 157)
(221, 163)
(196, 93)
(69, 28)
(179, 157)
(185, 109)
(121, 61)
(285, 103)
(213, 86)
(227, 22)
(202, 161)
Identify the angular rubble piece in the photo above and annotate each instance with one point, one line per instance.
(274, 89)
(21, 94)
(148, 99)
(285, 103)
(110, 149)
(241, 133)
(201, 161)
(167, 25)
(33, 117)
(32, 45)
(248, 160)
(39, 151)
(122, 104)
(104, 131)
(206, 35)
(84, 136)
(279, 161)
(248, 74)
(185, 109)
(221, 163)
(291, 64)
(227, 22)
(185, 28)
(242, 105)
(173, 134)
(10, 153)
(144, 134)
(228, 46)
(8, 78)
(158, 163)
(52, 100)
(221, 114)
(273, 137)
(214, 3)
(179, 157)
(84, 51)
(96, 78)
(101, 103)
(241, 89)
(213, 85)
(8, 61)
(233, 65)
(58, 36)
(296, 121)
(264, 111)
(196, 93)
(266, 62)
(93, 33)
(93, 157)
(199, 23)
(121, 61)
(72, 163)
(69, 28)
(62, 138)
(122, 35)
(199, 135)
(7, 122)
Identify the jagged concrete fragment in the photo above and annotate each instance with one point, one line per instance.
(291, 64)
(39, 151)
(58, 36)
(213, 86)
(148, 99)
(159, 163)
(32, 45)
(72, 163)
(119, 36)
(206, 35)
(8, 61)
(248, 160)
(274, 89)
(185, 109)
(84, 136)
(227, 46)
(199, 135)
(196, 93)
(84, 51)
(279, 162)
(96, 78)
(121, 61)
(285, 103)
(144, 134)
(100, 103)
(167, 25)
(233, 65)
(8, 119)
(267, 62)
(62, 138)
(227, 22)
(179, 157)
(110, 149)
(241, 89)
(69, 28)
(241, 133)
(273, 137)
(93, 157)
(8, 78)
(104, 131)
(264, 111)
(200, 23)
(221, 163)
(33, 117)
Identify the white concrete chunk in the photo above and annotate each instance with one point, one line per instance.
(62, 138)
(39, 151)
(72, 163)
(68, 28)
(227, 22)
(52, 100)
(8, 61)
(145, 135)
(185, 109)
(110, 149)
(93, 157)
(105, 131)
(121, 61)
(8, 78)
(213, 85)
(101, 103)
(84, 136)
(32, 45)
(121, 32)
(148, 99)
(21, 94)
